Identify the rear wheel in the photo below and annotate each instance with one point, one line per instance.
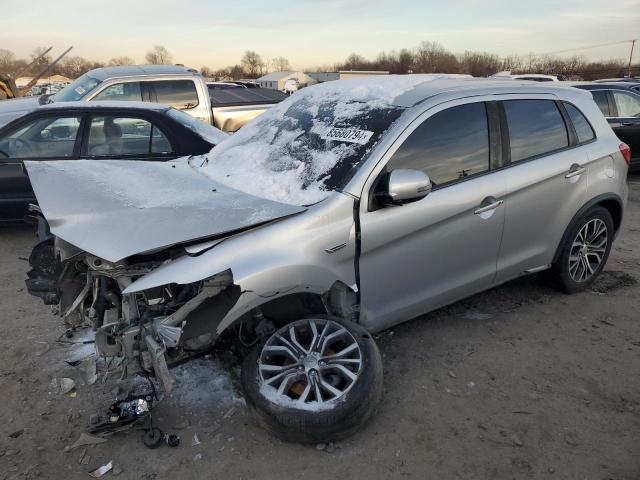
(584, 252)
(314, 380)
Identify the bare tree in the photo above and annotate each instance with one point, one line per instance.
(280, 64)
(158, 56)
(7, 60)
(74, 66)
(206, 72)
(252, 63)
(237, 72)
(355, 62)
(431, 57)
(120, 61)
(479, 64)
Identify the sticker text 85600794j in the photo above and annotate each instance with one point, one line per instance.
(351, 135)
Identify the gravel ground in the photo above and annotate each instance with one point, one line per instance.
(517, 382)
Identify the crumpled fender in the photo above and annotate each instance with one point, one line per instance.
(271, 261)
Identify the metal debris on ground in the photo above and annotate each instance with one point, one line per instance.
(84, 439)
(100, 471)
(196, 440)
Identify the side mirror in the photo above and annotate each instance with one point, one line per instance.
(407, 185)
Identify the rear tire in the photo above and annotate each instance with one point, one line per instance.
(584, 251)
(296, 415)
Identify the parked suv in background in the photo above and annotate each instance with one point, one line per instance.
(619, 102)
(348, 208)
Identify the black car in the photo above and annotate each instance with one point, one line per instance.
(620, 103)
(92, 130)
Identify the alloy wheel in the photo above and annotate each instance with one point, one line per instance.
(588, 250)
(310, 362)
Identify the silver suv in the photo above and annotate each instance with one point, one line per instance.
(348, 208)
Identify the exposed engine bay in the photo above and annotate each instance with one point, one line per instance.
(148, 330)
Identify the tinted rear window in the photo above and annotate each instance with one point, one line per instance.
(580, 124)
(179, 94)
(600, 97)
(536, 127)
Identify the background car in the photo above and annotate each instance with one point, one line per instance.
(105, 130)
(619, 102)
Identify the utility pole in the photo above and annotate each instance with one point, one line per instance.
(633, 44)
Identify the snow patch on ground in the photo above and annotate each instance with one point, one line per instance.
(204, 382)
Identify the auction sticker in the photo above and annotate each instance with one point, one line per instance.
(351, 135)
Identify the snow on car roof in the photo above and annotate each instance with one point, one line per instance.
(107, 104)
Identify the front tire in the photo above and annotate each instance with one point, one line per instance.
(314, 380)
(584, 251)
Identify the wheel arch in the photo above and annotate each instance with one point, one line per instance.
(610, 201)
(339, 299)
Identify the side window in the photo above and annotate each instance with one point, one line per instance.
(121, 91)
(115, 136)
(535, 127)
(180, 94)
(48, 137)
(450, 145)
(580, 123)
(628, 105)
(602, 100)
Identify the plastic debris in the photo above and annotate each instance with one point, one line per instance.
(62, 386)
(88, 367)
(173, 440)
(123, 414)
(85, 439)
(196, 440)
(100, 471)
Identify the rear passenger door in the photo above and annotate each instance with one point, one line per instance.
(123, 136)
(545, 166)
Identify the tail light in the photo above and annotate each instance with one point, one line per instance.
(626, 152)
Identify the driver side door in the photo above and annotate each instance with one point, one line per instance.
(38, 137)
(428, 253)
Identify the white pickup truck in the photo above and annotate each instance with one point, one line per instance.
(180, 87)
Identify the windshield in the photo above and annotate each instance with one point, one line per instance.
(76, 89)
(207, 132)
(304, 147)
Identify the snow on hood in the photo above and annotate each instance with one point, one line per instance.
(116, 208)
(282, 156)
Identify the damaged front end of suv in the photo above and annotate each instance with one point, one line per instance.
(148, 330)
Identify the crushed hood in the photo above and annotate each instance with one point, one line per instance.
(116, 208)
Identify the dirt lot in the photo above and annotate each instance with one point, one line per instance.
(517, 382)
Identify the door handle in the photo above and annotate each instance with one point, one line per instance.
(626, 124)
(488, 204)
(575, 170)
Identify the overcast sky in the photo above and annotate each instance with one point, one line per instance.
(315, 32)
